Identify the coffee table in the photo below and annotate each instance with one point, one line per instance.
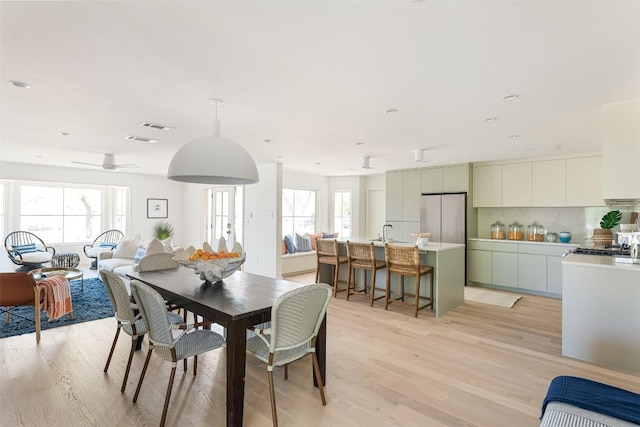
(69, 273)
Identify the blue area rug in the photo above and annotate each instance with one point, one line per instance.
(92, 304)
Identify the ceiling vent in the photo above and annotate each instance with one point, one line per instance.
(140, 139)
(156, 126)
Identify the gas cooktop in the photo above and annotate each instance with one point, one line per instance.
(606, 251)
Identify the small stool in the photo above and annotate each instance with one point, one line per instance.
(65, 259)
(363, 256)
(405, 261)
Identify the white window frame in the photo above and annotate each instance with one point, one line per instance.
(294, 216)
(340, 219)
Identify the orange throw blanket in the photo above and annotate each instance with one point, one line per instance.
(57, 300)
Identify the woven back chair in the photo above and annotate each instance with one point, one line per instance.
(363, 256)
(327, 252)
(20, 289)
(405, 261)
(27, 251)
(156, 262)
(106, 241)
(296, 317)
(189, 343)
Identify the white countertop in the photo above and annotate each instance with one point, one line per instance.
(527, 242)
(430, 247)
(600, 261)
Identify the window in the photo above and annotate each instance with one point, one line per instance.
(3, 209)
(342, 213)
(298, 211)
(64, 214)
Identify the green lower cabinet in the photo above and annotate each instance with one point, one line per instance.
(532, 272)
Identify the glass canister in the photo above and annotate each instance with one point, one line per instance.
(516, 231)
(535, 232)
(498, 230)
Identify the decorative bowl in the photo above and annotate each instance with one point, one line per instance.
(565, 236)
(550, 237)
(216, 269)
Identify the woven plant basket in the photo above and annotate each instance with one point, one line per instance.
(602, 236)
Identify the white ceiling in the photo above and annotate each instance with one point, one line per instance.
(314, 77)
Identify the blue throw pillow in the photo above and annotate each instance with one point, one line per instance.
(25, 249)
(139, 254)
(107, 245)
(329, 235)
(291, 247)
(303, 243)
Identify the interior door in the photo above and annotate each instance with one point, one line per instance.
(221, 216)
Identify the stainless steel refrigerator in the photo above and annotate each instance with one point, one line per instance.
(444, 216)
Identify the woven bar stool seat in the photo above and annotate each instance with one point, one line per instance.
(327, 253)
(363, 256)
(405, 261)
(65, 259)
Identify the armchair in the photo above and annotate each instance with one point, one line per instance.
(27, 251)
(20, 289)
(103, 243)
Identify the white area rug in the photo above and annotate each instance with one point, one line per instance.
(489, 296)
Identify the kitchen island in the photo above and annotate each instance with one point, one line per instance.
(447, 260)
(601, 311)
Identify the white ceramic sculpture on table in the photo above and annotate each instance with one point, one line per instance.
(213, 270)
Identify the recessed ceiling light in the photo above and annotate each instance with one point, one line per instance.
(18, 84)
(267, 140)
(391, 111)
(359, 143)
(65, 134)
(528, 149)
(140, 139)
(510, 97)
(490, 119)
(156, 126)
(513, 136)
(279, 156)
(318, 163)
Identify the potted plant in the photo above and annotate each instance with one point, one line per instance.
(604, 235)
(162, 230)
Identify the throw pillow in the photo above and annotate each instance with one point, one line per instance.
(168, 244)
(107, 245)
(156, 246)
(25, 249)
(284, 247)
(303, 243)
(314, 238)
(140, 252)
(127, 248)
(329, 235)
(291, 247)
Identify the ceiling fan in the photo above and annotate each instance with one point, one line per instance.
(109, 164)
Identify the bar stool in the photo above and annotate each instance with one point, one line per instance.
(363, 256)
(405, 261)
(327, 253)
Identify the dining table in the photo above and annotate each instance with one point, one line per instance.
(237, 303)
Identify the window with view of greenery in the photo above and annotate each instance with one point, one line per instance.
(298, 211)
(342, 213)
(69, 214)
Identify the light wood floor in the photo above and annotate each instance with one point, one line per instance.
(478, 365)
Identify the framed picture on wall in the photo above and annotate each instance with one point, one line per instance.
(157, 208)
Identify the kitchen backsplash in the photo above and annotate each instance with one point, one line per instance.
(580, 222)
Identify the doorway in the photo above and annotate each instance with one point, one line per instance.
(221, 216)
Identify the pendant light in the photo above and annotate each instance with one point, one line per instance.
(418, 156)
(365, 163)
(213, 160)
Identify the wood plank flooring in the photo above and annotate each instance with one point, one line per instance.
(478, 365)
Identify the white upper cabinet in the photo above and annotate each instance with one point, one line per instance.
(548, 187)
(584, 181)
(516, 184)
(455, 178)
(487, 186)
(394, 192)
(411, 195)
(431, 180)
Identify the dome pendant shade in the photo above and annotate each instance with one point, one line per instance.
(213, 160)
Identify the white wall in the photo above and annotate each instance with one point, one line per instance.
(263, 223)
(142, 187)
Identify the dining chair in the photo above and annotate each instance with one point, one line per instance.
(363, 256)
(328, 253)
(405, 261)
(296, 317)
(128, 320)
(21, 289)
(189, 343)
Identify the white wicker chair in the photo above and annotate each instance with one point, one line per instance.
(190, 342)
(296, 317)
(132, 324)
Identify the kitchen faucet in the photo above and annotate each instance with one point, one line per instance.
(384, 232)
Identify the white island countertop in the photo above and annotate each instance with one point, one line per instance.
(599, 261)
(430, 247)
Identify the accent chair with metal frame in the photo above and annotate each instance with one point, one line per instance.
(190, 343)
(363, 256)
(105, 242)
(27, 251)
(405, 261)
(21, 289)
(328, 253)
(296, 317)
